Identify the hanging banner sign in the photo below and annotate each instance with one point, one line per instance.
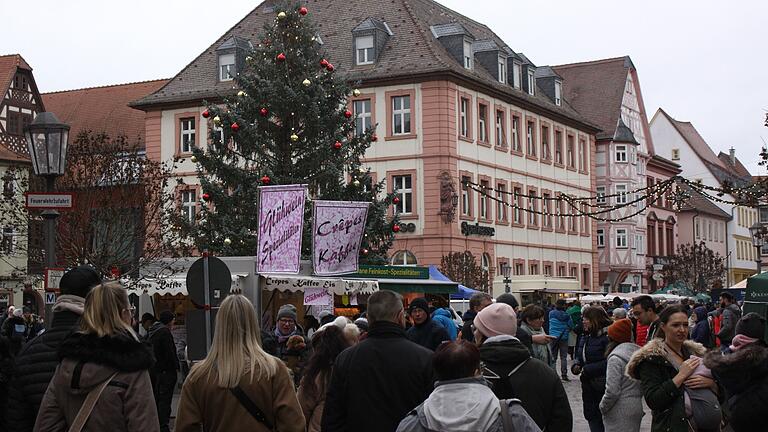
(281, 221)
(317, 296)
(338, 228)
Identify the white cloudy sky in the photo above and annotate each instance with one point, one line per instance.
(701, 60)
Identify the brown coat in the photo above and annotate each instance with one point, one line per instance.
(127, 403)
(312, 404)
(204, 403)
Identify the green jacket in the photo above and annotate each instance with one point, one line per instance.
(650, 366)
(575, 313)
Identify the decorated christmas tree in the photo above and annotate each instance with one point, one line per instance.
(289, 123)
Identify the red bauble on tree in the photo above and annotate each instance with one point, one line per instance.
(206, 196)
(303, 10)
(337, 145)
(329, 67)
(235, 127)
(347, 113)
(206, 114)
(396, 200)
(396, 228)
(324, 63)
(264, 112)
(281, 57)
(364, 251)
(265, 180)
(374, 137)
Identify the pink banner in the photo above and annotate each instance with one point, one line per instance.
(281, 220)
(338, 229)
(317, 297)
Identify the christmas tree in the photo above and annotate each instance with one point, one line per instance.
(288, 124)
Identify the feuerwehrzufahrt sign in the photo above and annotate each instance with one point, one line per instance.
(50, 201)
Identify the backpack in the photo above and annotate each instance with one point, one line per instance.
(519, 422)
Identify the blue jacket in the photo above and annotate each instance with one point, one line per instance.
(559, 324)
(590, 355)
(443, 317)
(701, 332)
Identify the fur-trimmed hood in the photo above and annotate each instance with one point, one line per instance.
(657, 349)
(121, 352)
(741, 369)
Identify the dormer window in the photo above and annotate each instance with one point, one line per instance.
(364, 48)
(467, 54)
(502, 70)
(558, 93)
(226, 67)
(517, 74)
(531, 82)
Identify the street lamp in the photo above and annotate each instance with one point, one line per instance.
(506, 270)
(759, 233)
(47, 140)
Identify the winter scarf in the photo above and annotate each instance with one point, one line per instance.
(281, 339)
(69, 303)
(740, 341)
(540, 351)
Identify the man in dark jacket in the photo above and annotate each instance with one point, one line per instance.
(37, 361)
(477, 302)
(508, 366)
(378, 381)
(731, 314)
(163, 372)
(425, 331)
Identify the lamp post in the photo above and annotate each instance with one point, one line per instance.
(506, 270)
(759, 233)
(47, 141)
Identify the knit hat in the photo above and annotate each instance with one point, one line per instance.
(166, 316)
(79, 281)
(497, 319)
(620, 331)
(751, 325)
(362, 324)
(287, 311)
(419, 303)
(508, 299)
(18, 312)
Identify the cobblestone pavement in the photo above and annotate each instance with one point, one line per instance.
(573, 388)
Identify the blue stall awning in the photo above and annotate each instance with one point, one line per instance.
(464, 292)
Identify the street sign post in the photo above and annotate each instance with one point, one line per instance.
(53, 278)
(50, 298)
(49, 201)
(208, 283)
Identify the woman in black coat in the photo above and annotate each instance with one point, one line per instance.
(591, 364)
(6, 372)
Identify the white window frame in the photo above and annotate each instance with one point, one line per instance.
(482, 134)
(8, 238)
(519, 269)
(517, 214)
(532, 215)
(405, 193)
(365, 117)
(468, 60)
(517, 74)
(531, 83)
(189, 204)
(600, 198)
(558, 93)
(501, 139)
(622, 197)
(501, 200)
(547, 210)
(484, 213)
(227, 67)
(464, 117)
(570, 151)
(404, 255)
(502, 69)
(530, 128)
(364, 54)
(187, 133)
(600, 238)
(402, 112)
(620, 153)
(621, 238)
(466, 209)
(516, 133)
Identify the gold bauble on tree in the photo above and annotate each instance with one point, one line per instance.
(281, 15)
(356, 92)
(356, 183)
(294, 137)
(217, 120)
(193, 158)
(306, 82)
(242, 94)
(227, 241)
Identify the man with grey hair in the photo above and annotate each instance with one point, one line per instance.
(477, 302)
(619, 313)
(378, 381)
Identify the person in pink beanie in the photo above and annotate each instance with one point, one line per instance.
(512, 373)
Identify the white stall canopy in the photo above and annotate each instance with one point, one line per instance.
(338, 286)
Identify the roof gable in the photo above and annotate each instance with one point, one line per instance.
(8, 66)
(412, 52)
(736, 165)
(103, 109)
(596, 89)
(694, 140)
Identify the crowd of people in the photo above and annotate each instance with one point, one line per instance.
(498, 368)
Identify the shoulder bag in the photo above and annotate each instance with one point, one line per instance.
(89, 404)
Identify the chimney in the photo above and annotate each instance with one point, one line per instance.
(733, 156)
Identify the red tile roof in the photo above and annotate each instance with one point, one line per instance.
(10, 156)
(738, 167)
(694, 139)
(596, 89)
(103, 109)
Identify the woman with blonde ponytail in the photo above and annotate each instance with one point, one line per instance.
(102, 383)
(238, 386)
